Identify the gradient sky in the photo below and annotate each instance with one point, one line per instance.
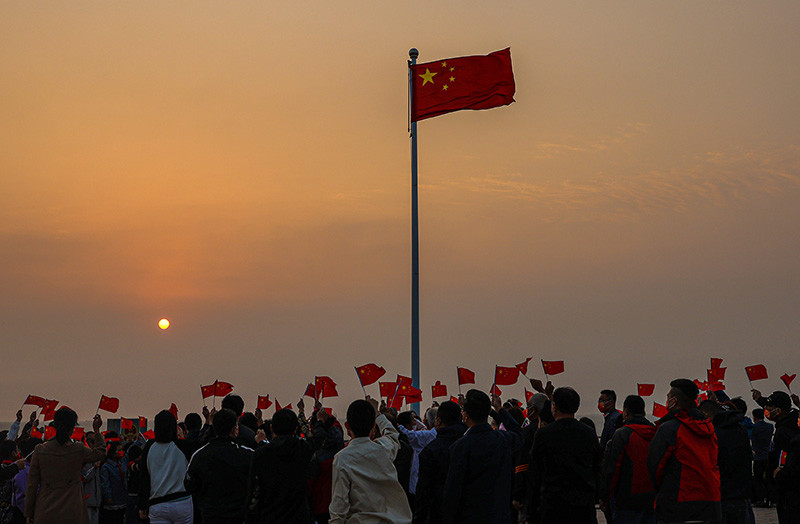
(242, 168)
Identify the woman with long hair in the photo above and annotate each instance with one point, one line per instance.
(54, 492)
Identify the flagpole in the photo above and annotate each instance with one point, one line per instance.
(459, 380)
(359, 381)
(413, 53)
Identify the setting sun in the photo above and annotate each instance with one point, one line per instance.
(163, 323)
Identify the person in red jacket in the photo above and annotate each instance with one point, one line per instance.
(626, 490)
(683, 460)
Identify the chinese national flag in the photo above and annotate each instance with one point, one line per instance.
(310, 391)
(468, 82)
(787, 379)
(506, 376)
(222, 388)
(325, 387)
(142, 423)
(278, 406)
(702, 397)
(388, 388)
(553, 367)
(149, 435)
(528, 395)
(49, 432)
(207, 391)
(78, 433)
(523, 367)
(263, 402)
(412, 395)
(396, 402)
(645, 390)
(369, 373)
(35, 433)
(716, 363)
(465, 376)
(659, 410)
(174, 410)
(716, 374)
(495, 390)
(33, 400)
(715, 386)
(757, 372)
(109, 404)
(125, 423)
(438, 390)
(454, 400)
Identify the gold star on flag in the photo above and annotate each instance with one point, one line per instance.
(444, 64)
(444, 87)
(452, 79)
(427, 76)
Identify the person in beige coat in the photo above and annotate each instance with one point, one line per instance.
(54, 494)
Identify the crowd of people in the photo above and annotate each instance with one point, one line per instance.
(478, 460)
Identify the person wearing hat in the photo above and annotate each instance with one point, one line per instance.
(778, 409)
(682, 460)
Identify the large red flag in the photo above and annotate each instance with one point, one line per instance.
(222, 388)
(757, 372)
(369, 373)
(645, 390)
(553, 367)
(388, 388)
(33, 400)
(468, 82)
(787, 379)
(263, 402)
(208, 391)
(465, 376)
(325, 387)
(505, 376)
(523, 367)
(438, 390)
(110, 404)
(659, 410)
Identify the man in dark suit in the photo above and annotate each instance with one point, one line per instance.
(478, 486)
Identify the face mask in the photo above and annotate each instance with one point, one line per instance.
(771, 414)
(120, 454)
(601, 407)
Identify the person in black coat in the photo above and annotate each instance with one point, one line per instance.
(478, 485)
(434, 463)
(566, 464)
(778, 408)
(761, 440)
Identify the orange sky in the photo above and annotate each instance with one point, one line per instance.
(243, 170)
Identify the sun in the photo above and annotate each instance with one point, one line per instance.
(163, 323)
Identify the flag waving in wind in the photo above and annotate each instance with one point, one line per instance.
(468, 82)
(369, 373)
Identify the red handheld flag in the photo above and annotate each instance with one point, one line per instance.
(454, 399)
(174, 410)
(553, 367)
(49, 432)
(412, 395)
(757, 372)
(506, 376)
(369, 373)
(396, 402)
(716, 374)
(787, 379)
(222, 388)
(495, 390)
(645, 390)
(110, 404)
(523, 367)
(528, 395)
(388, 388)
(659, 410)
(33, 400)
(469, 82)
(142, 423)
(438, 390)
(208, 391)
(78, 433)
(263, 402)
(325, 387)
(125, 423)
(465, 376)
(35, 433)
(716, 363)
(310, 391)
(149, 435)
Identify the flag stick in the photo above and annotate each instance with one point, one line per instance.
(546, 378)
(359, 381)
(214, 398)
(787, 386)
(413, 54)
(201, 394)
(98, 406)
(396, 389)
(459, 381)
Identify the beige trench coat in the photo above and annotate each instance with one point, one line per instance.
(56, 473)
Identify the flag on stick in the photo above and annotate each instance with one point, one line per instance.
(369, 374)
(660, 411)
(553, 367)
(645, 390)
(506, 376)
(757, 372)
(33, 400)
(495, 390)
(523, 367)
(465, 376)
(110, 404)
(438, 390)
(787, 379)
(264, 402)
(174, 410)
(325, 387)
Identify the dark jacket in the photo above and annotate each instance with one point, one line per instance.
(478, 485)
(217, 475)
(279, 473)
(434, 462)
(683, 468)
(522, 482)
(735, 458)
(403, 460)
(610, 425)
(565, 460)
(625, 477)
(320, 481)
(788, 479)
(761, 439)
(785, 430)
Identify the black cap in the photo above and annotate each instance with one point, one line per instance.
(779, 399)
(686, 386)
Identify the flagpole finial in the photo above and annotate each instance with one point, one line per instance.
(413, 53)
